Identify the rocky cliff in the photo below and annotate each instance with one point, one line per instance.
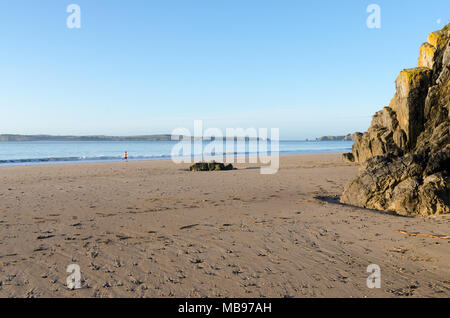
(405, 154)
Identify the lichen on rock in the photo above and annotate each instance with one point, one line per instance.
(426, 55)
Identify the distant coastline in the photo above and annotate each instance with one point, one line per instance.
(161, 137)
(348, 137)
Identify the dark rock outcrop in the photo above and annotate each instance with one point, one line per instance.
(405, 154)
(210, 166)
(348, 157)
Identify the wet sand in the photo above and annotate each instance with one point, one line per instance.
(154, 229)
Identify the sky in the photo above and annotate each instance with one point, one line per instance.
(309, 68)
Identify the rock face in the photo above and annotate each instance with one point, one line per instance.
(405, 154)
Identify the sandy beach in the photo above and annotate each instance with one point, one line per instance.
(155, 229)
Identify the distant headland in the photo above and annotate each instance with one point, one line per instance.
(348, 137)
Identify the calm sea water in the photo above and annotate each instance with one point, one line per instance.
(42, 152)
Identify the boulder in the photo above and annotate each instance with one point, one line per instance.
(405, 154)
(210, 166)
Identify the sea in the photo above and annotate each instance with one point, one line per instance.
(51, 152)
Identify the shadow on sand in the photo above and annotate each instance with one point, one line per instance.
(335, 199)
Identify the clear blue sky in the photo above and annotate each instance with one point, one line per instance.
(310, 68)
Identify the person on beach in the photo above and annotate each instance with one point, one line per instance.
(125, 156)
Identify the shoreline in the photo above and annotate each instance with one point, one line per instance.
(63, 161)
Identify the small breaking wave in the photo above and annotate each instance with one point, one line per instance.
(82, 158)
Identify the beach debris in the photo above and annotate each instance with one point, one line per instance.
(43, 237)
(196, 261)
(122, 237)
(447, 237)
(404, 292)
(94, 267)
(210, 166)
(40, 249)
(398, 250)
(188, 226)
(8, 255)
